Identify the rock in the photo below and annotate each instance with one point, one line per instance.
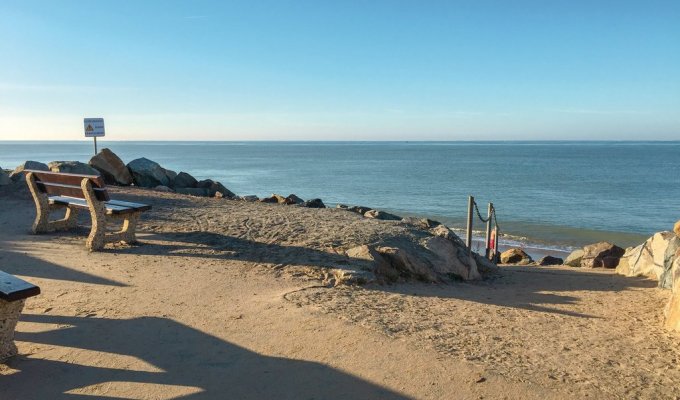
(343, 276)
(594, 255)
(205, 183)
(111, 168)
(185, 180)
(372, 261)
(201, 192)
(172, 175)
(4, 178)
(359, 209)
(550, 260)
(653, 258)
(376, 214)
(515, 256)
(445, 232)
(314, 203)
(672, 310)
(249, 198)
(409, 264)
(161, 188)
(670, 264)
(274, 198)
(452, 259)
(293, 199)
(147, 173)
(18, 174)
(422, 223)
(676, 229)
(574, 259)
(217, 187)
(72, 167)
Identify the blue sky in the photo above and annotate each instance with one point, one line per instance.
(350, 70)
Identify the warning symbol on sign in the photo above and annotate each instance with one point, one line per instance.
(94, 127)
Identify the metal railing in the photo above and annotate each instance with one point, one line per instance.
(492, 235)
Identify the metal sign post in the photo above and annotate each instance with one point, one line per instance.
(94, 128)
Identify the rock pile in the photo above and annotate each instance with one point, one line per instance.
(291, 200)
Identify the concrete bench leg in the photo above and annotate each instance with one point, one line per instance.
(9, 316)
(128, 231)
(97, 238)
(42, 221)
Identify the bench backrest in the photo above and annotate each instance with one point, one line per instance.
(63, 184)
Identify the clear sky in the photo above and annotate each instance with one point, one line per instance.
(341, 70)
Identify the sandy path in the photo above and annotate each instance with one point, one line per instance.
(219, 302)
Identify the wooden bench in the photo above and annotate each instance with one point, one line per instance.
(13, 294)
(54, 190)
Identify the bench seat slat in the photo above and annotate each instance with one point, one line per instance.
(112, 206)
(13, 288)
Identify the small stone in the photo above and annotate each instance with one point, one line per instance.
(550, 260)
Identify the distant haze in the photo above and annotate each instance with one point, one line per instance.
(378, 70)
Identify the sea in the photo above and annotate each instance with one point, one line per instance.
(549, 197)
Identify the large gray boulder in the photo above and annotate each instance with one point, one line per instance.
(602, 254)
(111, 167)
(184, 180)
(72, 167)
(4, 178)
(18, 174)
(147, 173)
(451, 259)
(647, 259)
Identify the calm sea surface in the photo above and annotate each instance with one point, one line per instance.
(550, 194)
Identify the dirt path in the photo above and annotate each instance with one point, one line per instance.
(217, 303)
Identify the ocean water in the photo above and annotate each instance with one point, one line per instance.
(550, 195)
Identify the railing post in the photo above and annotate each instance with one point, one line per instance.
(488, 230)
(468, 238)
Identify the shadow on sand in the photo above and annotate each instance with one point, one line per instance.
(527, 288)
(180, 358)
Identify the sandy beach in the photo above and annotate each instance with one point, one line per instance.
(230, 299)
